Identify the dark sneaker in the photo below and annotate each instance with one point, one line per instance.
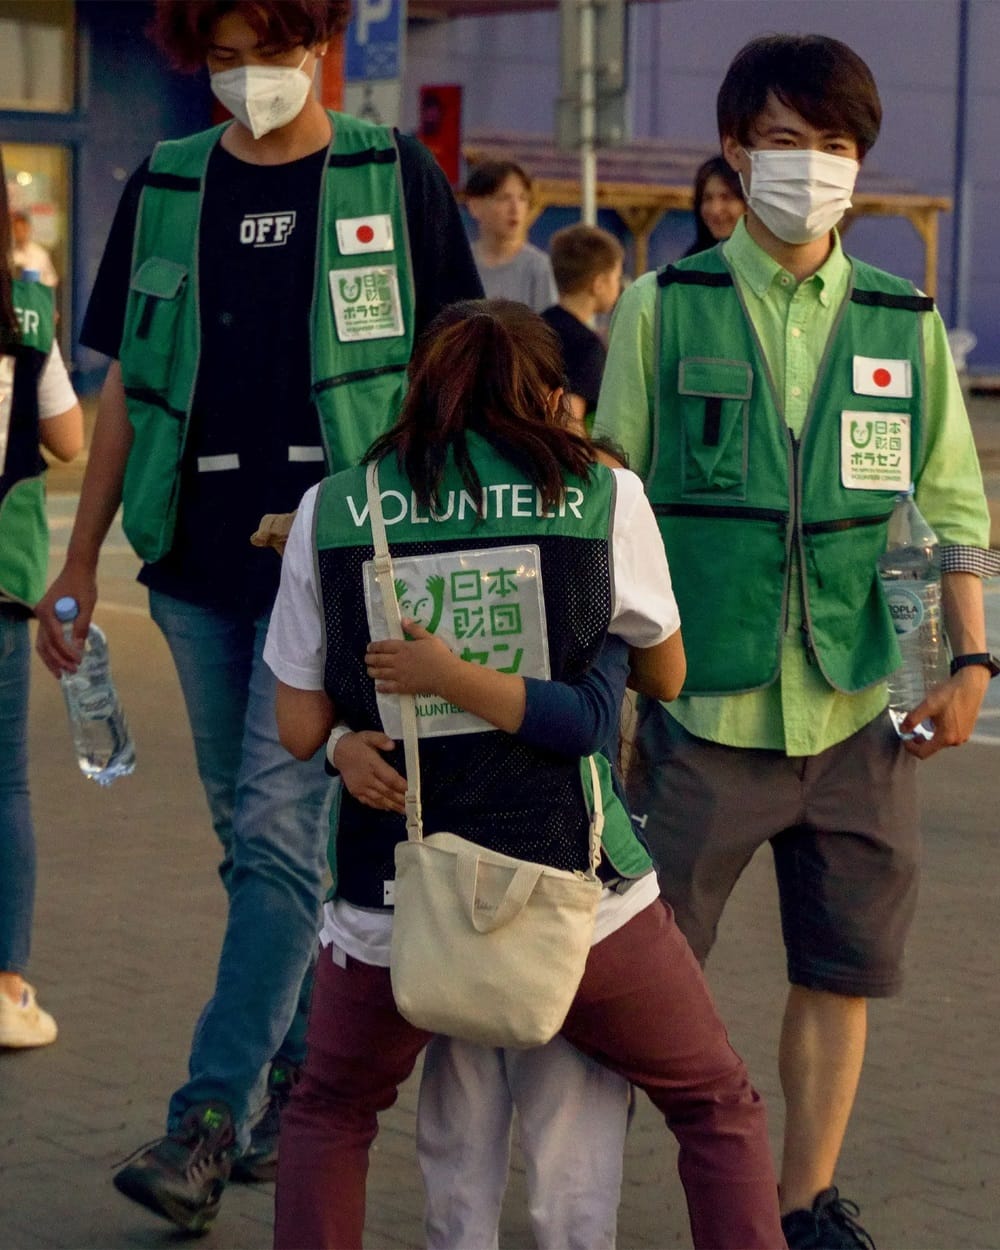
(259, 1162)
(182, 1176)
(830, 1225)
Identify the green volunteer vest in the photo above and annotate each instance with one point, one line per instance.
(739, 498)
(24, 531)
(514, 516)
(357, 382)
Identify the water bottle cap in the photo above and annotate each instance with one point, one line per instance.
(66, 609)
(31, 275)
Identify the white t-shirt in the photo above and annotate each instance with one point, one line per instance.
(33, 256)
(644, 613)
(55, 391)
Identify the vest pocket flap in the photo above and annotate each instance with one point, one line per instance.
(159, 277)
(715, 379)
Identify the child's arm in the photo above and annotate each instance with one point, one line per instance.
(573, 719)
(426, 665)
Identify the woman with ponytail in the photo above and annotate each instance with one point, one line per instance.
(481, 462)
(37, 405)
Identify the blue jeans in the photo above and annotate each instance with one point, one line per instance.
(270, 814)
(17, 834)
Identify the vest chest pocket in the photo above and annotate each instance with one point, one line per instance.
(152, 321)
(714, 399)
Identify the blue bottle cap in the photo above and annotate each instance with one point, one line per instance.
(31, 275)
(66, 609)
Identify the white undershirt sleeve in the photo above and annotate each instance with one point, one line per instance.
(55, 391)
(294, 647)
(645, 610)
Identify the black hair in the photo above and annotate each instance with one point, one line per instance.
(822, 79)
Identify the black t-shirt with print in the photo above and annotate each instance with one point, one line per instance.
(256, 273)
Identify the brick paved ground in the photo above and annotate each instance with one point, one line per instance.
(128, 924)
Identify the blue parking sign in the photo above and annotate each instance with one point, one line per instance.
(374, 41)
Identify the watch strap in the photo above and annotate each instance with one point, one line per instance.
(976, 658)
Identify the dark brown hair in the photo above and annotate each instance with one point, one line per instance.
(820, 78)
(714, 167)
(183, 28)
(488, 177)
(581, 253)
(10, 334)
(486, 366)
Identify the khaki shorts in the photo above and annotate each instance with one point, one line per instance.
(843, 829)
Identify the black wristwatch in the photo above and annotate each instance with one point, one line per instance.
(977, 657)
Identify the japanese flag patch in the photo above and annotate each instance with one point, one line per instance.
(364, 234)
(874, 376)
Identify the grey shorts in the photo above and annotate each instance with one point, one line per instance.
(843, 828)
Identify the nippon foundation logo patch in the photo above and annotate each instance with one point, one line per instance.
(364, 234)
(874, 375)
(267, 229)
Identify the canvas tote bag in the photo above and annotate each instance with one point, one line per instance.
(485, 947)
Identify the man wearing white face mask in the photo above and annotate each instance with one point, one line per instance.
(260, 294)
(740, 382)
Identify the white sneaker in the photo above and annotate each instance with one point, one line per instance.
(24, 1023)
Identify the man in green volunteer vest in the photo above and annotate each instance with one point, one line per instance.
(741, 382)
(260, 294)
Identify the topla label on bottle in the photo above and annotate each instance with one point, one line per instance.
(906, 609)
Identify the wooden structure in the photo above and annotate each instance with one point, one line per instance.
(643, 180)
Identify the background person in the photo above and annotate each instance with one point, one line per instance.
(37, 405)
(498, 197)
(29, 255)
(587, 264)
(772, 351)
(718, 203)
(227, 396)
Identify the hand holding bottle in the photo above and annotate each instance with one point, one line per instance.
(58, 652)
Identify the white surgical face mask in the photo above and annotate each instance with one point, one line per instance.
(799, 194)
(263, 97)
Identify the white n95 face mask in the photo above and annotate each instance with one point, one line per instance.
(799, 194)
(263, 97)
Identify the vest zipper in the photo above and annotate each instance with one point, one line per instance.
(807, 642)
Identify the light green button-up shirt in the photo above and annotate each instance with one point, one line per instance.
(800, 713)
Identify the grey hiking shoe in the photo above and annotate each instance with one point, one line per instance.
(182, 1176)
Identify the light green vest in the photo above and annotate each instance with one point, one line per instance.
(514, 516)
(739, 498)
(357, 382)
(24, 531)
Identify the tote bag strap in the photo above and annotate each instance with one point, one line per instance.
(390, 606)
(407, 703)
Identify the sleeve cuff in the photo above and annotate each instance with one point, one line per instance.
(977, 560)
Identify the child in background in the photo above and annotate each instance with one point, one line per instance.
(498, 195)
(587, 263)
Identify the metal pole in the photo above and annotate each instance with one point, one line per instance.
(961, 246)
(588, 115)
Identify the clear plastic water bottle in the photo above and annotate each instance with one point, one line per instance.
(104, 747)
(910, 572)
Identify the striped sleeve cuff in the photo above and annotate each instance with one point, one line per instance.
(977, 560)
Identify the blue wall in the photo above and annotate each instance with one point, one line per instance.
(509, 68)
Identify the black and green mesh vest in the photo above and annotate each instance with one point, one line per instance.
(489, 787)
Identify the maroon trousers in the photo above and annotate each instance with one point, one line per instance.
(642, 1009)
